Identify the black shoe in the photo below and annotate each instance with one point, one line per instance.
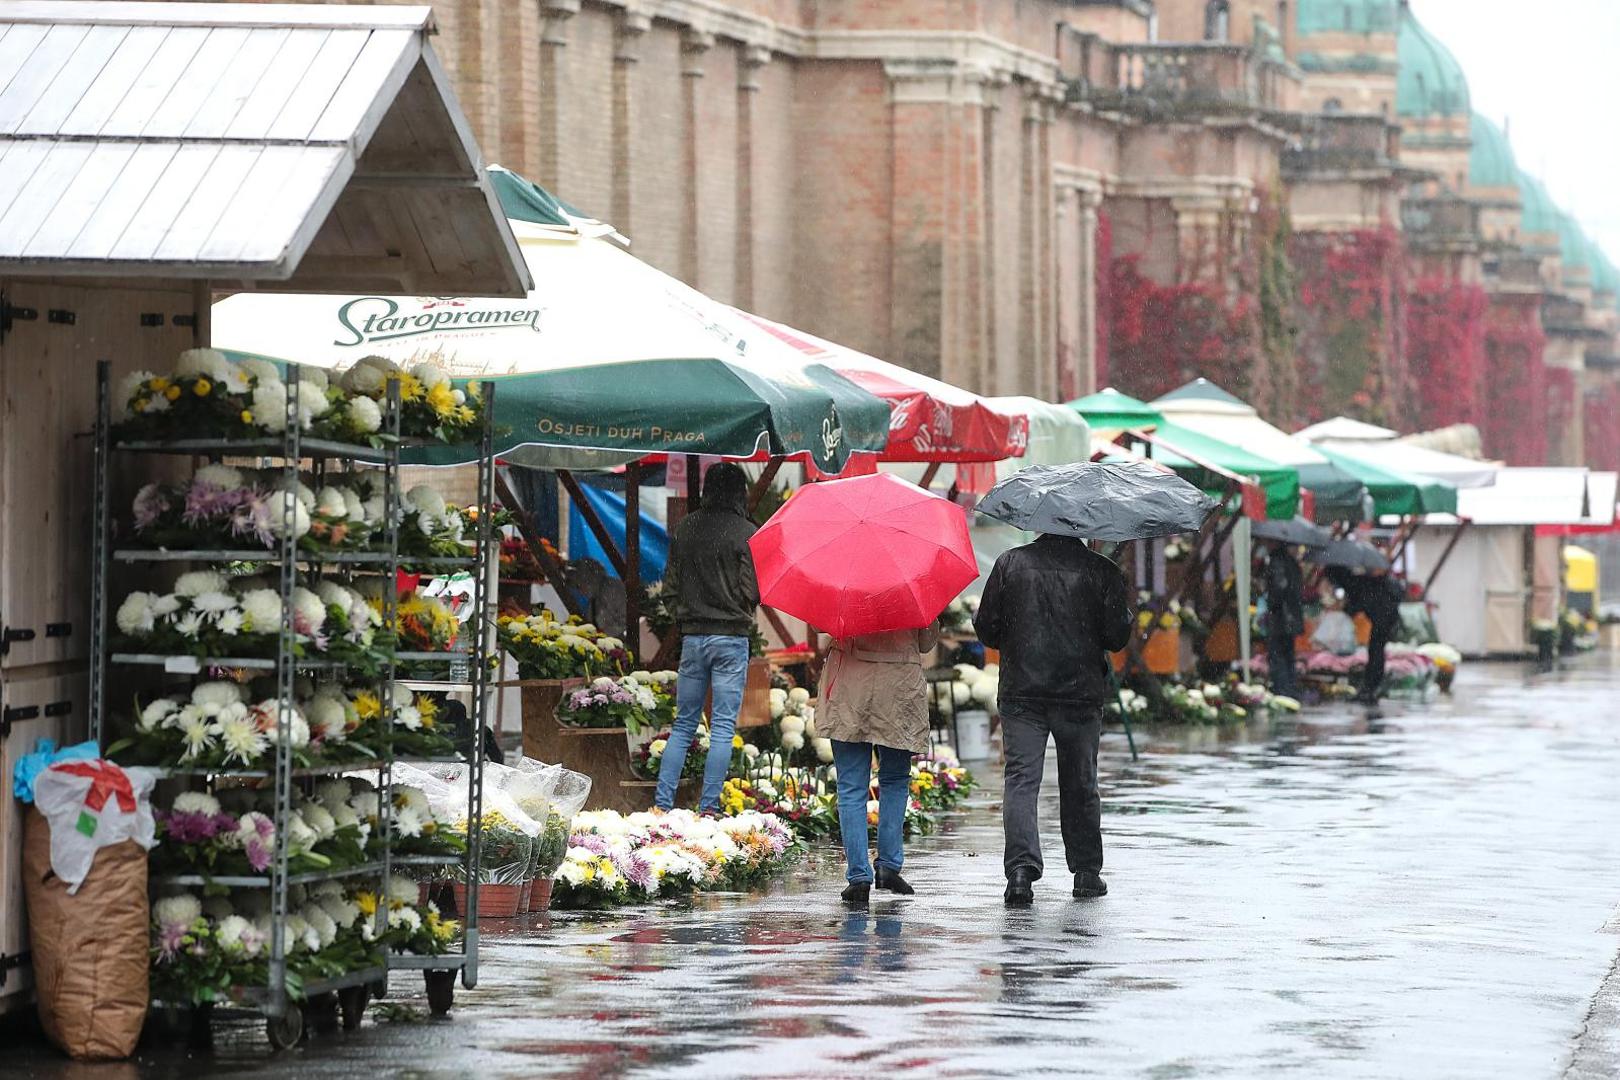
(1088, 885)
(893, 882)
(1020, 888)
(857, 892)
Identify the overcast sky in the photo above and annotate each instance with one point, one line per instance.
(1552, 69)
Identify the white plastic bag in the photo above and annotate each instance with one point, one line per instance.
(90, 805)
(1336, 633)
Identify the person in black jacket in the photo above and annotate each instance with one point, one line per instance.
(710, 573)
(1285, 618)
(1378, 596)
(1054, 608)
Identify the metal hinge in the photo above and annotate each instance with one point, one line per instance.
(10, 313)
(14, 633)
(12, 960)
(11, 716)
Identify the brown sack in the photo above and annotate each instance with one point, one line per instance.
(90, 949)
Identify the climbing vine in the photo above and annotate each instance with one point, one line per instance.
(1163, 336)
(1445, 350)
(1562, 401)
(1513, 414)
(1277, 289)
(1352, 331)
(1602, 425)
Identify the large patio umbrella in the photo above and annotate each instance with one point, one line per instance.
(1111, 411)
(1188, 451)
(1393, 490)
(929, 420)
(1381, 447)
(1209, 410)
(607, 353)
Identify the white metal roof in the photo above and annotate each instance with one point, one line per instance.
(1539, 496)
(229, 141)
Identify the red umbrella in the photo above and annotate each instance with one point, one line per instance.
(864, 555)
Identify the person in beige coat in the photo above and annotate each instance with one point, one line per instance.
(874, 699)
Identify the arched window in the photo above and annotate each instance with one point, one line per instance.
(1332, 105)
(1217, 20)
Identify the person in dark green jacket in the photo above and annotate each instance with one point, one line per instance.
(710, 574)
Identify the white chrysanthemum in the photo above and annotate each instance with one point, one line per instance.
(127, 386)
(156, 713)
(792, 740)
(792, 725)
(824, 750)
(324, 925)
(270, 405)
(344, 816)
(367, 804)
(300, 727)
(430, 374)
(798, 696)
(209, 362)
(189, 625)
(262, 608)
(333, 793)
(240, 736)
(452, 525)
(182, 910)
(414, 798)
(309, 611)
(352, 506)
(375, 509)
(312, 402)
(300, 837)
(195, 802)
(329, 503)
(334, 595)
(197, 582)
(409, 718)
(135, 613)
(426, 500)
(262, 370)
(406, 918)
(401, 889)
(369, 375)
(213, 605)
(320, 819)
(301, 935)
(157, 403)
(196, 732)
(364, 414)
(402, 696)
(340, 910)
(219, 476)
(314, 375)
(230, 931)
(408, 822)
(459, 396)
(328, 717)
(300, 519)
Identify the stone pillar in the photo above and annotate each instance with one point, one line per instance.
(750, 60)
(1037, 325)
(632, 28)
(547, 155)
(984, 373)
(695, 45)
(1198, 226)
(1085, 353)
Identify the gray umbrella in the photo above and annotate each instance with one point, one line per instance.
(1354, 554)
(1099, 501)
(1298, 531)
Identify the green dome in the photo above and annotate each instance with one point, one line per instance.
(1539, 215)
(1490, 161)
(1603, 271)
(1430, 81)
(1573, 247)
(1347, 16)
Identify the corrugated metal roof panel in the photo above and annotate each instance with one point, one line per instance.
(217, 139)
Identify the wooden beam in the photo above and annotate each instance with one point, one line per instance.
(531, 536)
(775, 619)
(632, 559)
(593, 522)
(694, 479)
(763, 484)
(1444, 555)
(928, 475)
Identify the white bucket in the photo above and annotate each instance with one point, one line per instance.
(973, 735)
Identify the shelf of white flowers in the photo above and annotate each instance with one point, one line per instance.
(237, 942)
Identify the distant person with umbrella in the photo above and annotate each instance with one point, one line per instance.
(711, 577)
(1056, 609)
(872, 561)
(1285, 617)
(1377, 595)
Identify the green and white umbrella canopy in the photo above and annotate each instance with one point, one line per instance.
(606, 354)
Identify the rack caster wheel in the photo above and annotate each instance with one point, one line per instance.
(285, 1030)
(441, 990)
(352, 1004)
(321, 1013)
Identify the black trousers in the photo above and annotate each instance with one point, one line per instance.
(1076, 729)
(1280, 663)
(1372, 683)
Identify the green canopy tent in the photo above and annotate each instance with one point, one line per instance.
(1395, 492)
(1110, 410)
(1189, 452)
(1211, 411)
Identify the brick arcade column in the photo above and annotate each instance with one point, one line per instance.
(1075, 295)
(695, 46)
(629, 33)
(546, 155)
(750, 60)
(1037, 338)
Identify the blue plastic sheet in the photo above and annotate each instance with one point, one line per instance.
(44, 756)
(609, 506)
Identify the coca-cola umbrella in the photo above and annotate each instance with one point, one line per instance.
(864, 555)
(1094, 500)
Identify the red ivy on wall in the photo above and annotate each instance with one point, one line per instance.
(1445, 350)
(1602, 422)
(1513, 413)
(1105, 295)
(1562, 401)
(1163, 336)
(1352, 330)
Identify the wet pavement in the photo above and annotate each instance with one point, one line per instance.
(1433, 894)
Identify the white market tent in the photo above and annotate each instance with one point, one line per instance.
(305, 147)
(1343, 428)
(1384, 448)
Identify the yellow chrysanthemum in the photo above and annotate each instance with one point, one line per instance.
(247, 416)
(441, 399)
(367, 704)
(201, 387)
(366, 902)
(172, 393)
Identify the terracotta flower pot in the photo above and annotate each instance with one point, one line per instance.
(524, 891)
(494, 901)
(540, 895)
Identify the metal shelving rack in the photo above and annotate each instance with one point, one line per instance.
(284, 1018)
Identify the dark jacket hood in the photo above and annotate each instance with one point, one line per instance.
(725, 487)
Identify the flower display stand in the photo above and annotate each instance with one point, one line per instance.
(600, 753)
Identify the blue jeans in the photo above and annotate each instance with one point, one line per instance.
(854, 761)
(720, 660)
